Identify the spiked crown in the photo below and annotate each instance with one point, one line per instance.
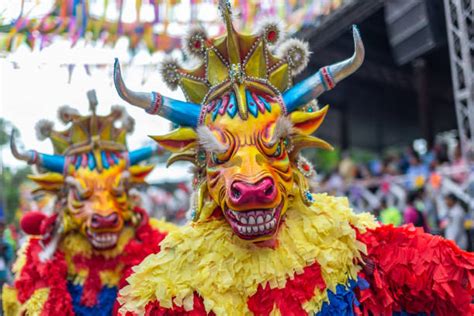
(237, 61)
(237, 65)
(92, 140)
(89, 132)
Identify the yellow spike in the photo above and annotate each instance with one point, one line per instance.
(304, 141)
(256, 66)
(189, 155)
(308, 122)
(179, 140)
(50, 181)
(241, 98)
(139, 172)
(232, 40)
(201, 193)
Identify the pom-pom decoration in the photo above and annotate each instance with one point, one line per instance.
(118, 111)
(66, 114)
(296, 52)
(44, 129)
(194, 43)
(272, 31)
(170, 73)
(128, 123)
(30, 223)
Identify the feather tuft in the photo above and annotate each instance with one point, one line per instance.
(209, 141)
(283, 128)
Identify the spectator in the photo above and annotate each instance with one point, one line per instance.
(413, 213)
(417, 172)
(454, 223)
(390, 214)
(460, 165)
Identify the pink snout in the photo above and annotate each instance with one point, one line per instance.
(262, 192)
(109, 221)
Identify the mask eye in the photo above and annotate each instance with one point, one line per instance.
(278, 150)
(215, 160)
(80, 196)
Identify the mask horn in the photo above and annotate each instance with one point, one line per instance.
(54, 163)
(326, 78)
(137, 156)
(179, 112)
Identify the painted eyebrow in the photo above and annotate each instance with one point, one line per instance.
(209, 141)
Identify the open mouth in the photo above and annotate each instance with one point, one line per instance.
(253, 224)
(103, 241)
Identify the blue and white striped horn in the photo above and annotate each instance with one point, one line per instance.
(326, 78)
(53, 163)
(179, 112)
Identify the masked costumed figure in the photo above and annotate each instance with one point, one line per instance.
(261, 243)
(77, 258)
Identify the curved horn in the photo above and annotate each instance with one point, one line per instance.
(179, 112)
(53, 163)
(326, 78)
(141, 154)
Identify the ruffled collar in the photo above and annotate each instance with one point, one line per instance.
(208, 259)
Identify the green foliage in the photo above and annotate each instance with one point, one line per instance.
(11, 181)
(4, 126)
(324, 161)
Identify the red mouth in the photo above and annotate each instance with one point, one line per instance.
(254, 224)
(103, 241)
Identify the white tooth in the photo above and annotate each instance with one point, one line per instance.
(243, 220)
(249, 230)
(260, 220)
(261, 228)
(251, 220)
(255, 229)
(273, 222)
(268, 225)
(268, 218)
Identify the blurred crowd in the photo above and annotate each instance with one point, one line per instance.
(431, 190)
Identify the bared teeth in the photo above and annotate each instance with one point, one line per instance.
(254, 223)
(104, 240)
(251, 220)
